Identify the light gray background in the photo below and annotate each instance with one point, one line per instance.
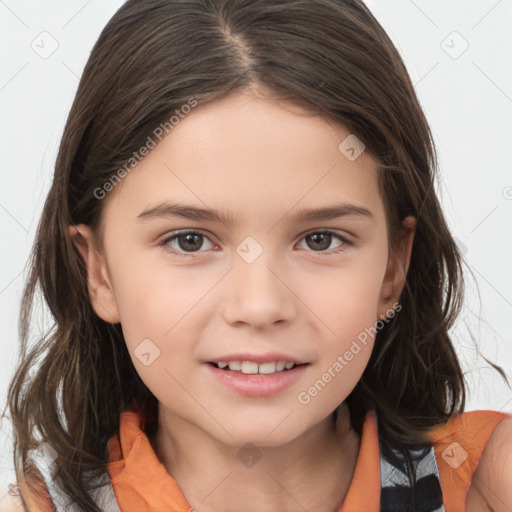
(466, 95)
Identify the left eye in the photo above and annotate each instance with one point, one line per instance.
(190, 241)
(324, 239)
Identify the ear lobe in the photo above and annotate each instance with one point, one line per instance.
(101, 292)
(398, 266)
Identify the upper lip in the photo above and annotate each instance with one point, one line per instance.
(257, 358)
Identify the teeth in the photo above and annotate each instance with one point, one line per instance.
(267, 368)
(250, 367)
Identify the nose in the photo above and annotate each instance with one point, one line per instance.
(257, 293)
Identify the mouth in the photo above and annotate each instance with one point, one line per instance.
(253, 379)
(252, 368)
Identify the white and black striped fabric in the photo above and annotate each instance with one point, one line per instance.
(397, 494)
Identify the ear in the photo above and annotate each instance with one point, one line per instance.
(101, 291)
(396, 272)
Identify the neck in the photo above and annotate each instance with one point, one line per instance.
(311, 472)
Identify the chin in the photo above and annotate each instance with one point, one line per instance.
(261, 435)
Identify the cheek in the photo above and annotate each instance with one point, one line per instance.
(154, 296)
(346, 298)
(345, 356)
(159, 308)
(336, 374)
(345, 302)
(354, 323)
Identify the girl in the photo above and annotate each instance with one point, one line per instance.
(251, 278)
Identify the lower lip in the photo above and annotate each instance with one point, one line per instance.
(257, 385)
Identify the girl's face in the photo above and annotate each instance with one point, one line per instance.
(266, 280)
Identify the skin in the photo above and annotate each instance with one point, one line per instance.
(261, 160)
(491, 489)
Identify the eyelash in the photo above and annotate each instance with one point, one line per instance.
(166, 241)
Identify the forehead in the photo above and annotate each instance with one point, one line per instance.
(248, 155)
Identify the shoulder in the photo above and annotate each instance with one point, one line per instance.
(466, 448)
(493, 476)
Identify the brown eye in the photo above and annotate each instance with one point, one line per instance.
(319, 241)
(322, 241)
(189, 242)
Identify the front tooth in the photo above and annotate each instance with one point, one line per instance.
(234, 365)
(280, 365)
(248, 367)
(267, 367)
(288, 365)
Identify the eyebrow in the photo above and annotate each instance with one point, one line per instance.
(169, 210)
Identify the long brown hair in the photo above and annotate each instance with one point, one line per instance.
(152, 57)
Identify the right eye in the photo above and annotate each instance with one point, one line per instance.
(188, 239)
